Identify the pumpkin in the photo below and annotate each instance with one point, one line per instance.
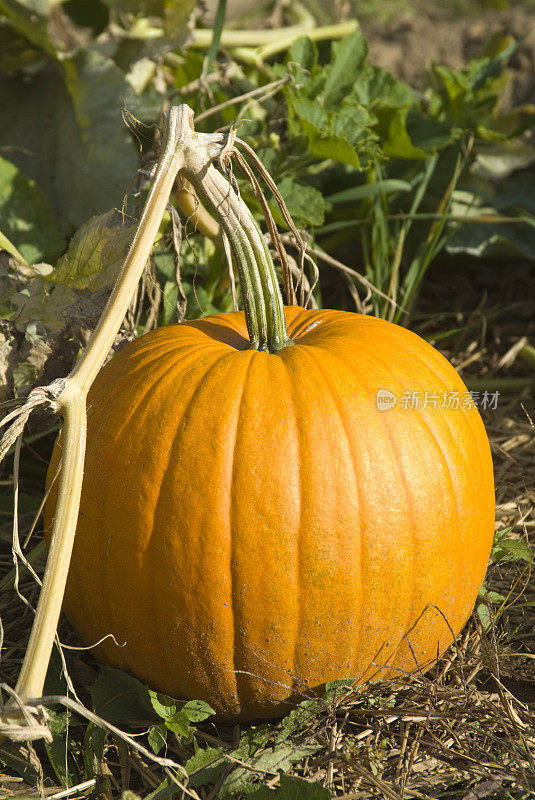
(262, 510)
(254, 524)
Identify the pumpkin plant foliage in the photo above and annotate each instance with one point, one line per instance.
(253, 524)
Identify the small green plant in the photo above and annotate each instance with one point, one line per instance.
(505, 549)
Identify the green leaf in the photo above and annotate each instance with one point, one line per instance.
(189, 70)
(291, 788)
(197, 710)
(484, 615)
(334, 689)
(353, 121)
(265, 748)
(392, 128)
(509, 549)
(501, 239)
(25, 216)
(57, 750)
(205, 766)
(96, 252)
(179, 725)
(165, 263)
(10, 756)
(178, 715)
(305, 204)
(296, 720)
(70, 137)
(170, 299)
(303, 54)
(429, 134)
(164, 705)
(348, 57)
(492, 597)
(120, 698)
(310, 118)
(378, 87)
(466, 98)
(157, 737)
(165, 791)
(265, 751)
(94, 743)
(491, 68)
(10, 248)
(55, 682)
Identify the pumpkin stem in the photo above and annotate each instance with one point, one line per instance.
(262, 298)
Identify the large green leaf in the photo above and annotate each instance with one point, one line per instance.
(25, 216)
(120, 698)
(263, 748)
(58, 749)
(322, 103)
(303, 54)
(64, 129)
(499, 240)
(31, 18)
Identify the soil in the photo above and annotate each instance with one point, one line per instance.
(432, 32)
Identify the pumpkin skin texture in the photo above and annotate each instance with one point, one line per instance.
(252, 525)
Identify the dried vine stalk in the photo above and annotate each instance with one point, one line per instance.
(67, 397)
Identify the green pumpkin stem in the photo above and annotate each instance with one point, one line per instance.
(262, 298)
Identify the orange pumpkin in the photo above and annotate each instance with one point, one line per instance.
(253, 525)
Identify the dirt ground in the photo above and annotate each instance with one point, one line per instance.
(406, 42)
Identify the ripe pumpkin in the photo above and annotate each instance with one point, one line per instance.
(252, 525)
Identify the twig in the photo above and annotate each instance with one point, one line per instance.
(272, 228)
(80, 787)
(319, 254)
(304, 252)
(228, 254)
(268, 88)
